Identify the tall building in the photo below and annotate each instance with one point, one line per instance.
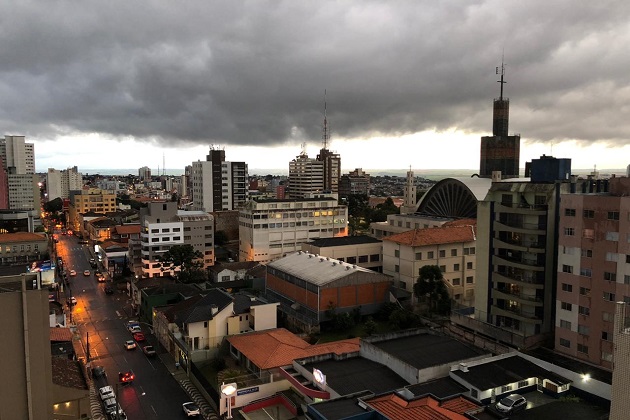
(593, 271)
(270, 228)
(500, 152)
(218, 185)
(163, 226)
(619, 402)
(144, 173)
(89, 200)
(331, 160)
(517, 254)
(354, 183)
(60, 183)
(18, 158)
(25, 349)
(306, 176)
(409, 206)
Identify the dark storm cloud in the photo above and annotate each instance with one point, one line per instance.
(254, 72)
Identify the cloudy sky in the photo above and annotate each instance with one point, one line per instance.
(124, 84)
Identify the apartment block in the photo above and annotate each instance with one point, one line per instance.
(306, 176)
(270, 228)
(89, 200)
(60, 183)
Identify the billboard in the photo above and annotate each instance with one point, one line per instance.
(46, 270)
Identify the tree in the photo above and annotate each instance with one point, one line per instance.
(430, 288)
(54, 206)
(370, 326)
(187, 260)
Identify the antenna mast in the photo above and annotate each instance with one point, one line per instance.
(502, 73)
(325, 135)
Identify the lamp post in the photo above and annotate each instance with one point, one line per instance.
(228, 390)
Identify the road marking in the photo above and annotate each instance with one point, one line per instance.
(154, 410)
(118, 313)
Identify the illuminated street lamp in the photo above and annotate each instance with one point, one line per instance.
(228, 390)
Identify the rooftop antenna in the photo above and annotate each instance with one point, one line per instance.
(501, 71)
(303, 146)
(325, 135)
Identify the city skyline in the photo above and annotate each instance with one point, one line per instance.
(109, 85)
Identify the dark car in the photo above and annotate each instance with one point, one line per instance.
(109, 290)
(98, 371)
(149, 351)
(512, 403)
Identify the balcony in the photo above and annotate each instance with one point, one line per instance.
(523, 245)
(516, 313)
(522, 263)
(525, 209)
(506, 294)
(518, 279)
(520, 227)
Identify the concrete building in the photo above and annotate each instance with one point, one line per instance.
(356, 182)
(620, 404)
(60, 183)
(268, 229)
(89, 200)
(22, 248)
(18, 156)
(218, 185)
(306, 176)
(452, 247)
(364, 251)
(25, 349)
(593, 271)
(399, 223)
(144, 174)
(162, 226)
(308, 285)
(500, 152)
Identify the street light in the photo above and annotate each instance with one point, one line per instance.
(228, 390)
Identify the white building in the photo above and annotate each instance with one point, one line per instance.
(60, 183)
(18, 156)
(144, 173)
(270, 228)
(306, 176)
(218, 185)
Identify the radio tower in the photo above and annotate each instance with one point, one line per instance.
(332, 160)
(325, 135)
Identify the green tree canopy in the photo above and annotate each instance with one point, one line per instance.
(187, 260)
(430, 287)
(54, 206)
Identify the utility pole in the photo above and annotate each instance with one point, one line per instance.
(87, 346)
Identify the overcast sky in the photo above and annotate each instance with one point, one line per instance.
(120, 84)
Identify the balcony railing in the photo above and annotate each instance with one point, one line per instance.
(521, 296)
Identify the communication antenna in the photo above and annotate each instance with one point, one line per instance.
(325, 134)
(303, 146)
(501, 71)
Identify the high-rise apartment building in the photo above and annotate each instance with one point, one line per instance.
(60, 183)
(18, 158)
(517, 253)
(619, 402)
(500, 152)
(163, 226)
(270, 228)
(593, 271)
(144, 174)
(306, 176)
(218, 185)
(354, 183)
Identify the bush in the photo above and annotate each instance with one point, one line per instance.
(218, 364)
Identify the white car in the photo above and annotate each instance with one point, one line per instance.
(191, 409)
(106, 392)
(130, 344)
(110, 405)
(135, 329)
(73, 273)
(511, 403)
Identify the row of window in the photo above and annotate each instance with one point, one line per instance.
(587, 272)
(590, 234)
(166, 239)
(295, 215)
(590, 214)
(583, 348)
(297, 224)
(441, 254)
(9, 249)
(165, 230)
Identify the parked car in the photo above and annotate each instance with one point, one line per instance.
(83, 241)
(126, 377)
(72, 301)
(191, 409)
(106, 392)
(109, 290)
(139, 337)
(110, 405)
(149, 351)
(135, 329)
(121, 414)
(130, 344)
(98, 371)
(511, 403)
(87, 272)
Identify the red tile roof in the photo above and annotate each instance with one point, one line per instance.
(60, 334)
(461, 222)
(395, 407)
(127, 229)
(21, 237)
(435, 236)
(279, 347)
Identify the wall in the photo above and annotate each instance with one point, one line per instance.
(265, 316)
(264, 390)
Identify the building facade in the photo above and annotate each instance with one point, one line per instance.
(60, 183)
(306, 176)
(363, 250)
(356, 182)
(268, 229)
(89, 200)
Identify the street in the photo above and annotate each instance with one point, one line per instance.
(101, 319)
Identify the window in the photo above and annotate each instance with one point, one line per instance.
(540, 200)
(565, 324)
(443, 268)
(442, 253)
(418, 256)
(566, 306)
(397, 253)
(225, 278)
(606, 336)
(586, 272)
(469, 280)
(582, 348)
(612, 256)
(567, 287)
(588, 233)
(352, 260)
(456, 282)
(612, 236)
(569, 231)
(583, 329)
(610, 276)
(205, 324)
(363, 258)
(609, 296)
(506, 199)
(565, 343)
(469, 266)
(613, 215)
(569, 212)
(523, 384)
(375, 257)
(584, 291)
(588, 214)
(608, 316)
(453, 253)
(430, 255)
(397, 268)
(626, 279)
(567, 268)
(627, 259)
(607, 357)
(583, 310)
(455, 267)
(506, 388)
(587, 253)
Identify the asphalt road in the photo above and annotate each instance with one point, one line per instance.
(101, 320)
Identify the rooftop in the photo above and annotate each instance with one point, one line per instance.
(6, 238)
(440, 388)
(357, 374)
(61, 334)
(127, 229)
(344, 240)
(68, 373)
(426, 350)
(343, 407)
(433, 236)
(395, 407)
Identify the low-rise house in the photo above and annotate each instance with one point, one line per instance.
(227, 272)
(22, 247)
(113, 256)
(61, 342)
(123, 233)
(100, 229)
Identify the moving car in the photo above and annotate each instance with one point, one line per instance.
(511, 403)
(191, 409)
(106, 392)
(126, 377)
(139, 337)
(133, 326)
(73, 273)
(130, 344)
(149, 351)
(100, 278)
(87, 272)
(83, 241)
